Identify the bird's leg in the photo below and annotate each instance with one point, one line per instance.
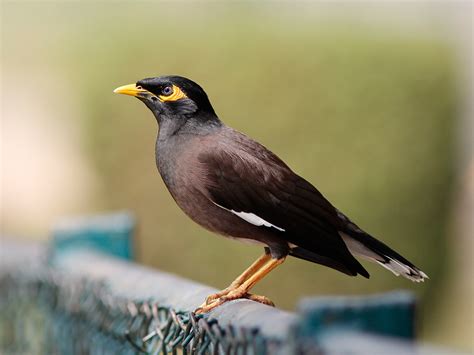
(252, 269)
(242, 290)
(252, 280)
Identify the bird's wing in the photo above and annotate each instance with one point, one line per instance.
(258, 187)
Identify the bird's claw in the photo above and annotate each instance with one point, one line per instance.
(215, 296)
(213, 302)
(236, 294)
(260, 299)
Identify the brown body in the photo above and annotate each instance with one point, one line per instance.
(179, 162)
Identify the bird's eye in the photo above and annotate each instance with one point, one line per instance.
(139, 87)
(167, 90)
(171, 93)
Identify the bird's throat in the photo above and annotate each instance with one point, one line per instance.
(168, 127)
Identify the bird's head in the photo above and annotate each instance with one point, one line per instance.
(172, 98)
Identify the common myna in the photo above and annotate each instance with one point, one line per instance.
(234, 186)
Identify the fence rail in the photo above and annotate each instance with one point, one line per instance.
(81, 294)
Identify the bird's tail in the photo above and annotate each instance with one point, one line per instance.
(363, 245)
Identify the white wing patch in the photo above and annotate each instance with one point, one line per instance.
(251, 218)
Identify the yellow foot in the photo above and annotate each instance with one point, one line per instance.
(215, 296)
(231, 295)
(260, 299)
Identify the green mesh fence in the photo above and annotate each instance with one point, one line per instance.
(46, 311)
(66, 298)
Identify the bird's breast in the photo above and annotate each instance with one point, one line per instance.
(187, 179)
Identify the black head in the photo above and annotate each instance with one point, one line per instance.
(172, 98)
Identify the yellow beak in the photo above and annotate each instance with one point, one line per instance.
(132, 90)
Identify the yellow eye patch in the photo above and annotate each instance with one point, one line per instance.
(175, 95)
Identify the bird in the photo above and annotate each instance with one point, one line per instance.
(234, 186)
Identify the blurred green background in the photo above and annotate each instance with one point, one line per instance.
(363, 104)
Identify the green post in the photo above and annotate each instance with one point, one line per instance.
(111, 234)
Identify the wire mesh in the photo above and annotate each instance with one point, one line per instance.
(47, 312)
(81, 302)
